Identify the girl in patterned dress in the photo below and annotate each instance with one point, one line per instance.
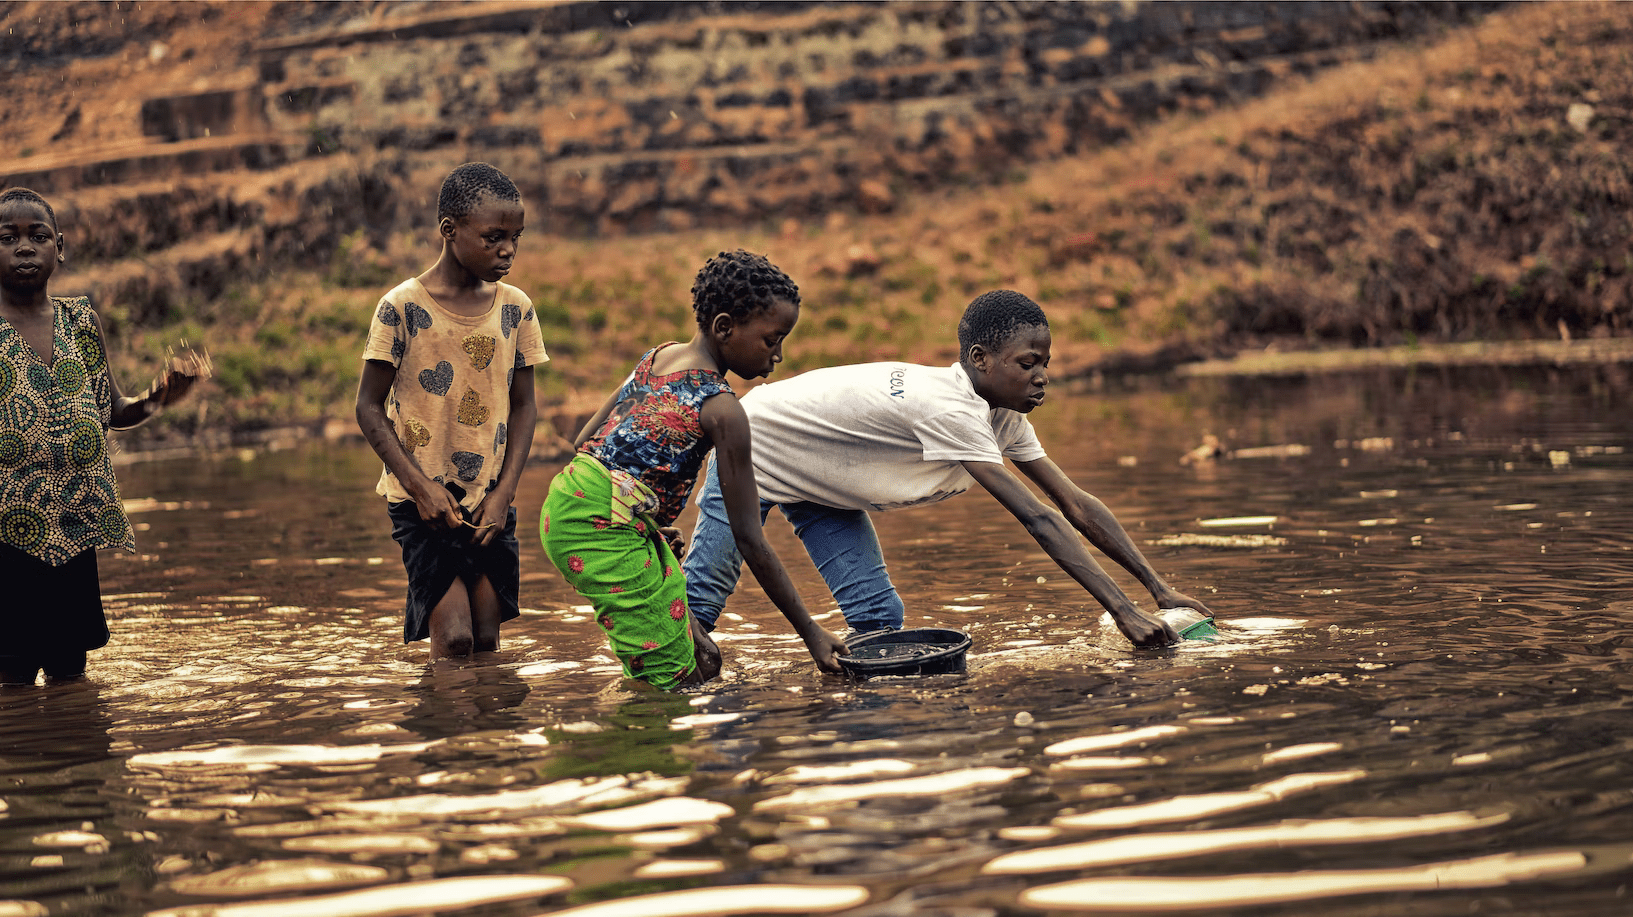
(59, 501)
(607, 523)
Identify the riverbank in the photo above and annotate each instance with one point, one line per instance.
(1467, 189)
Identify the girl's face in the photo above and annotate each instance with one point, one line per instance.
(30, 246)
(1015, 375)
(753, 347)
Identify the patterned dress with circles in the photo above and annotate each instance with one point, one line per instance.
(58, 496)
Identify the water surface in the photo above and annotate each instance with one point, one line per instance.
(1418, 705)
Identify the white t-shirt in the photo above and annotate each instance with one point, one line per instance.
(878, 436)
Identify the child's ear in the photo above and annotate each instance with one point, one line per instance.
(445, 229)
(62, 248)
(978, 357)
(721, 325)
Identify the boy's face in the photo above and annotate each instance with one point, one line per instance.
(1015, 375)
(30, 246)
(485, 241)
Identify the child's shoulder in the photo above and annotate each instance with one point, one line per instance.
(514, 295)
(407, 290)
(75, 310)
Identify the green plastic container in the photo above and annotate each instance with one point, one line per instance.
(1191, 624)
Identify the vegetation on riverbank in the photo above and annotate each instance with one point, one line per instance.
(1476, 187)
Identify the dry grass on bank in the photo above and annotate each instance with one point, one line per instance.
(1439, 192)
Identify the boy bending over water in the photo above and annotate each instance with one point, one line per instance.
(834, 444)
(605, 523)
(446, 400)
(59, 501)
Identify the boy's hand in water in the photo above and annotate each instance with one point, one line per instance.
(677, 541)
(1145, 630)
(1178, 600)
(825, 649)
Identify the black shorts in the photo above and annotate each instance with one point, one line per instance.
(50, 611)
(435, 556)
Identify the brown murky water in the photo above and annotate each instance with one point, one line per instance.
(1419, 704)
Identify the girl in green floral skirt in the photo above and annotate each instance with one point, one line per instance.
(607, 523)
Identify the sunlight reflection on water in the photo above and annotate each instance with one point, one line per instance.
(1418, 702)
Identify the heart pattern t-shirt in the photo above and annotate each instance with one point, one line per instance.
(451, 396)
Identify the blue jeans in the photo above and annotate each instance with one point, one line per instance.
(841, 542)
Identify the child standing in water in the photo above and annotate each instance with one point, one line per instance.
(59, 501)
(446, 401)
(606, 521)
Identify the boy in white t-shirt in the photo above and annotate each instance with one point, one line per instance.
(832, 444)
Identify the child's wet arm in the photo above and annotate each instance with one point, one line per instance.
(372, 390)
(1059, 540)
(725, 423)
(1095, 520)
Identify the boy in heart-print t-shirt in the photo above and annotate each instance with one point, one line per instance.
(446, 400)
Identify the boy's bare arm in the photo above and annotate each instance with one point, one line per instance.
(133, 410)
(1057, 538)
(434, 503)
(727, 426)
(520, 423)
(1099, 525)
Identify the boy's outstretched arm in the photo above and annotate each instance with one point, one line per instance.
(434, 503)
(523, 418)
(1094, 519)
(1058, 539)
(727, 426)
(133, 410)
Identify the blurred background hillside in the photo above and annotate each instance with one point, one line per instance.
(1170, 180)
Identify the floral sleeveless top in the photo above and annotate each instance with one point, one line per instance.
(58, 496)
(654, 432)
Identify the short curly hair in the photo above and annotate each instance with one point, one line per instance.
(739, 284)
(462, 190)
(33, 197)
(993, 318)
